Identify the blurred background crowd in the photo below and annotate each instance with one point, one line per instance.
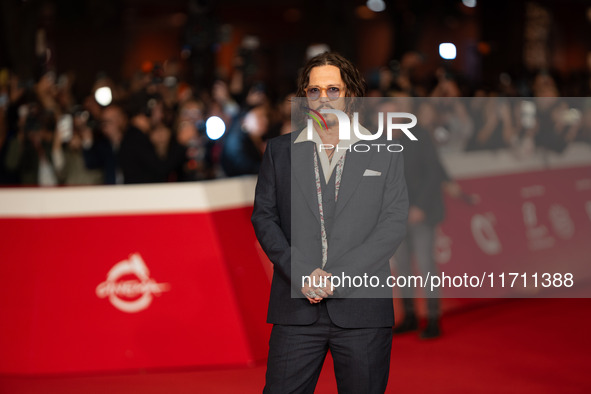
(112, 92)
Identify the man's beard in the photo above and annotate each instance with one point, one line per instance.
(331, 119)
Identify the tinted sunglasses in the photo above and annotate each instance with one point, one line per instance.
(332, 92)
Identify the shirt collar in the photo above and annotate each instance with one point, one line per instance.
(342, 148)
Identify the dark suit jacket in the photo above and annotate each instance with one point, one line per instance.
(424, 175)
(369, 224)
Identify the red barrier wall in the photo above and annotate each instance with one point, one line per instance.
(167, 276)
(128, 291)
(529, 222)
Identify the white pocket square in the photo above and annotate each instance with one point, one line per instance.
(371, 173)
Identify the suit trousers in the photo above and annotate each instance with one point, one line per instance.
(296, 354)
(419, 243)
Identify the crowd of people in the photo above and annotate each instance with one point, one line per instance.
(154, 128)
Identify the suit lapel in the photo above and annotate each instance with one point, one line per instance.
(355, 165)
(302, 168)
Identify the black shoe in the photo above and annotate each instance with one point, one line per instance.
(431, 331)
(410, 323)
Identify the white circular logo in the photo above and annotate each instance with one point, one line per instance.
(561, 221)
(485, 235)
(442, 247)
(130, 295)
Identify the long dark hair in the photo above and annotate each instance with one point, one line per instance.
(354, 82)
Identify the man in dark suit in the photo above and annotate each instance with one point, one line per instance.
(322, 212)
(425, 176)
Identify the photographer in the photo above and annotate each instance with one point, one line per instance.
(68, 152)
(139, 159)
(245, 143)
(190, 134)
(29, 154)
(101, 150)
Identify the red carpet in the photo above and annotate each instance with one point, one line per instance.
(514, 346)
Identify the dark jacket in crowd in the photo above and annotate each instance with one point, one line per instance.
(239, 155)
(424, 175)
(140, 163)
(104, 156)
